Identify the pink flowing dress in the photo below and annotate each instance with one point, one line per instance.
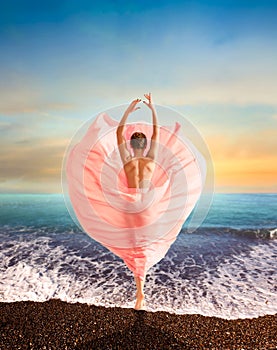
(138, 225)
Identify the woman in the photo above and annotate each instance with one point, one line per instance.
(138, 209)
(138, 168)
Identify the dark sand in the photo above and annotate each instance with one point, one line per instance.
(59, 325)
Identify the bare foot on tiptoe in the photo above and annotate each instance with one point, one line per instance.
(139, 302)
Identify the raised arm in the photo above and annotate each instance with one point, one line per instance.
(121, 141)
(153, 151)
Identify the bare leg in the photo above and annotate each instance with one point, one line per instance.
(140, 295)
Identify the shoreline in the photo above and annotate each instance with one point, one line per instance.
(55, 324)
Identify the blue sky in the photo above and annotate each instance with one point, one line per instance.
(63, 61)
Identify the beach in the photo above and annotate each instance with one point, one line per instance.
(55, 324)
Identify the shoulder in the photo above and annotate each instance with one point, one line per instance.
(128, 160)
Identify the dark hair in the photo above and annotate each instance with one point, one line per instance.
(138, 140)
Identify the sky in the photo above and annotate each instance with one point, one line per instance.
(62, 62)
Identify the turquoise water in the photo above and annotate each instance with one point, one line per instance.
(227, 210)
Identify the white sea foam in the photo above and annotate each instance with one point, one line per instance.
(240, 286)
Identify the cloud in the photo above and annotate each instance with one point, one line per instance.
(239, 160)
(19, 100)
(36, 161)
(230, 146)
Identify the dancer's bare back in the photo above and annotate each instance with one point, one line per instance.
(139, 171)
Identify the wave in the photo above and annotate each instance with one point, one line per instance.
(252, 233)
(72, 229)
(226, 272)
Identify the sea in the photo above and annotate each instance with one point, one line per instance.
(226, 268)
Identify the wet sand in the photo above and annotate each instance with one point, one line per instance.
(59, 325)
